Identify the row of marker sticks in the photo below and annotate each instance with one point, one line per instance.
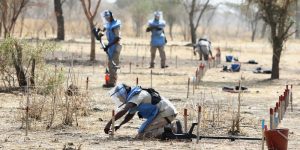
(204, 66)
(201, 70)
(277, 113)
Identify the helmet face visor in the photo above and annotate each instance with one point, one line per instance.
(118, 95)
(158, 15)
(106, 16)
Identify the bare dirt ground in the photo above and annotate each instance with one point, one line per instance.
(171, 83)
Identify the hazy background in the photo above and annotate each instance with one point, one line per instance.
(227, 19)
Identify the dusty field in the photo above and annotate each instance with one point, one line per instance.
(171, 83)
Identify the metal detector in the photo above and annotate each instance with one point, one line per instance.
(169, 135)
(99, 38)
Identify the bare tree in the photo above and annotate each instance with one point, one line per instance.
(86, 4)
(59, 19)
(277, 15)
(194, 8)
(10, 10)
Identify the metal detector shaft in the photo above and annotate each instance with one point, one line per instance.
(232, 138)
(169, 135)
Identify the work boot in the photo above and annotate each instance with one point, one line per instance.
(109, 85)
(151, 65)
(165, 66)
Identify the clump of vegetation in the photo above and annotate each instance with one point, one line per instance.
(49, 100)
(20, 60)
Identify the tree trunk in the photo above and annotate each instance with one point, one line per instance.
(254, 28)
(194, 36)
(0, 29)
(192, 30)
(171, 30)
(93, 52)
(22, 25)
(17, 60)
(297, 19)
(6, 33)
(32, 81)
(20, 75)
(253, 35)
(53, 29)
(263, 30)
(277, 49)
(12, 31)
(59, 19)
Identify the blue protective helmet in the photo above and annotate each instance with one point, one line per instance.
(107, 13)
(119, 94)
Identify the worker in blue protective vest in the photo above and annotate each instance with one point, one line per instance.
(112, 28)
(158, 39)
(131, 100)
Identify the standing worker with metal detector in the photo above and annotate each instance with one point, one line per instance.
(113, 48)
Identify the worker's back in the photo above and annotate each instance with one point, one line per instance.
(204, 46)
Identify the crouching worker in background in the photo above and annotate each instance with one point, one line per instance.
(148, 104)
(203, 47)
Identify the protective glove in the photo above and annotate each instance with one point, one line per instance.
(117, 127)
(96, 33)
(100, 34)
(106, 130)
(106, 48)
(148, 29)
(139, 115)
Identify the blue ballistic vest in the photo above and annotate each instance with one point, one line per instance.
(110, 26)
(158, 36)
(147, 111)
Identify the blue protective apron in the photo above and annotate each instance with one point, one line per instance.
(147, 111)
(158, 36)
(111, 35)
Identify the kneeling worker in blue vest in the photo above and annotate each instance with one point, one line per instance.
(148, 104)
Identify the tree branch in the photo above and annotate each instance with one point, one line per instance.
(89, 6)
(16, 12)
(201, 14)
(96, 9)
(85, 10)
(285, 35)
